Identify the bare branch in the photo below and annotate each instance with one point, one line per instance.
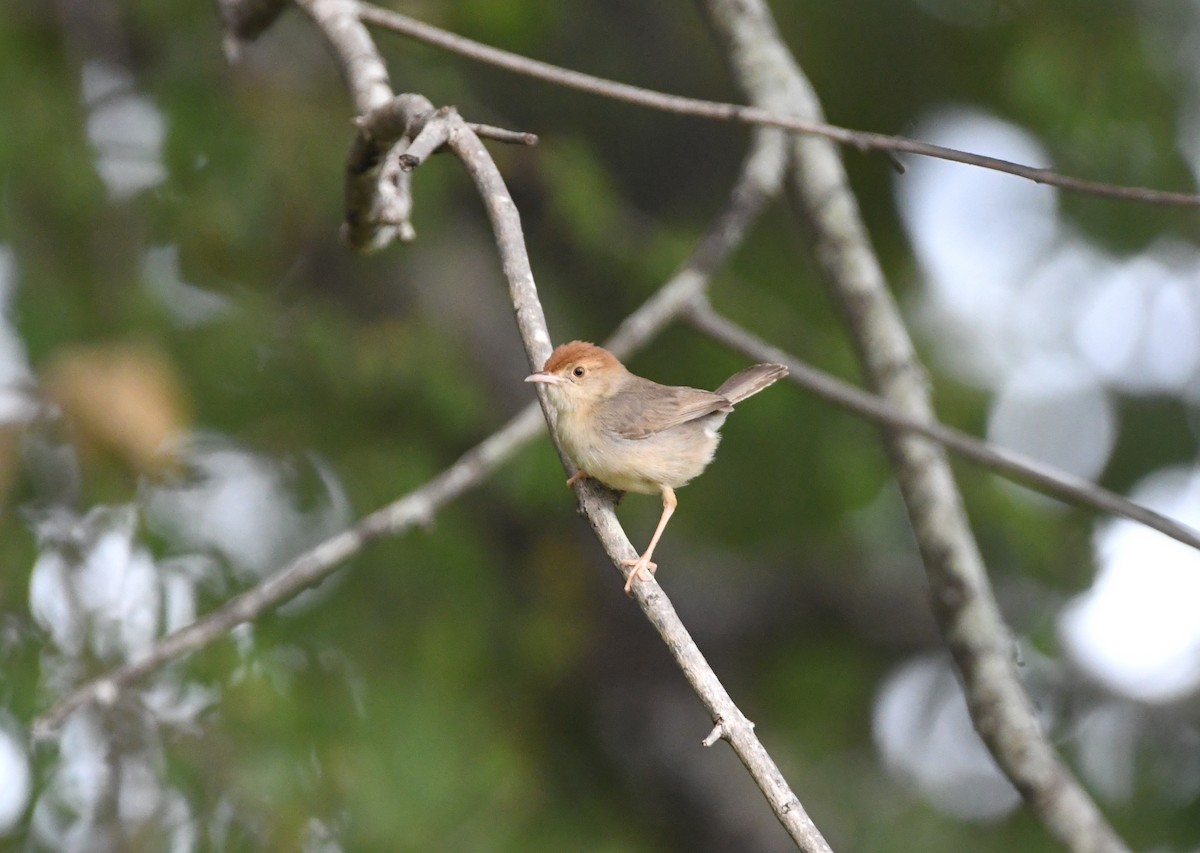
(681, 295)
(309, 569)
(1008, 463)
(377, 189)
(500, 134)
(396, 134)
(353, 50)
(754, 115)
(596, 503)
(597, 507)
(761, 179)
(963, 600)
(393, 139)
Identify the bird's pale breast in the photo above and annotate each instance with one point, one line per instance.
(671, 457)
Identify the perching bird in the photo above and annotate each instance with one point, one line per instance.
(635, 435)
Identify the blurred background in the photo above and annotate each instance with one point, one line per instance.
(197, 382)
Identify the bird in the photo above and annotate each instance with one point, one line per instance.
(633, 434)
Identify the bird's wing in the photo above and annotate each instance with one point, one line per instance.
(642, 410)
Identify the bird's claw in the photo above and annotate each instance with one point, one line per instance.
(576, 478)
(640, 565)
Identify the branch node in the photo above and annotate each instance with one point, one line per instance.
(718, 732)
(378, 193)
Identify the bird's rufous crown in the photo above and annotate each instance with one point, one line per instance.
(575, 352)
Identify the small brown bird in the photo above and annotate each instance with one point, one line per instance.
(635, 435)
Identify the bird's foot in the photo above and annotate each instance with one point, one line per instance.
(576, 478)
(640, 565)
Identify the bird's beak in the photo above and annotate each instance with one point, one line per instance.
(544, 377)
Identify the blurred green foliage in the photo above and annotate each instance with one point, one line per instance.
(483, 685)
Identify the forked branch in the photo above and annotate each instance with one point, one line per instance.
(752, 115)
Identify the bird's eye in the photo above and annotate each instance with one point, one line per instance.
(579, 371)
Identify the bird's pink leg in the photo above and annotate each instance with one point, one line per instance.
(643, 563)
(576, 478)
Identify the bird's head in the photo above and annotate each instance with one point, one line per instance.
(578, 374)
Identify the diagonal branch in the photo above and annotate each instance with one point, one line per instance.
(754, 115)
(757, 183)
(415, 509)
(1006, 722)
(597, 506)
(765, 174)
(681, 296)
(1017, 467)
(963, 601)
(354, 51)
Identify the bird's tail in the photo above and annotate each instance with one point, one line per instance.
(750, 381)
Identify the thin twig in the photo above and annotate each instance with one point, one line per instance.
(714, 110)
(1018, 467)
(500, 134)
(962, 597)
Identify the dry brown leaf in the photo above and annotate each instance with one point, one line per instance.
(122, 398)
